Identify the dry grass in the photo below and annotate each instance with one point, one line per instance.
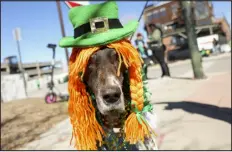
(24, 120)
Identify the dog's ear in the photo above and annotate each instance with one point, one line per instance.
(123, 68)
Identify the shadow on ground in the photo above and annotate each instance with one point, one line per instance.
(211, 111)
(183, 78)
(180, 78)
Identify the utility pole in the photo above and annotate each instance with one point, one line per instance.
(62, 27)
(140, 17)
(16, 33)
(196, 58)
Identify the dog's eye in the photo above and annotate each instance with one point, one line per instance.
(113, 56)
(93, 59)
(113, 53)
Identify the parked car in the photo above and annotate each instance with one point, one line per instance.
(182, 52)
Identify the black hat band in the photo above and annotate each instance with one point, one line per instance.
(97, 25)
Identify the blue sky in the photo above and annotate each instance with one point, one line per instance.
(39, 25)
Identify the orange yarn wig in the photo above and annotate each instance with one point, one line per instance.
(87, 132)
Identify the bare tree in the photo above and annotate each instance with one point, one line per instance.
(196, 58)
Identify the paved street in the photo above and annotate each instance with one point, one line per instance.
(183, 67)
(192, 114)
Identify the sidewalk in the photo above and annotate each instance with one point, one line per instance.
(193, 115)
(205, 59)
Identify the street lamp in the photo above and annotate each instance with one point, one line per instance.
(17, 36)
(140, 17)
(53, 47)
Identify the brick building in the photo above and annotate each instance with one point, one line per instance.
(169, 15)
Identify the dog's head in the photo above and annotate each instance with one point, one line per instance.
(101, 77)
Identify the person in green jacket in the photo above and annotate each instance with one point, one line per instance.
(156, 45)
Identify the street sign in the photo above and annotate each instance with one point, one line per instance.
(72, 4)
(17, 34)
(17, 37)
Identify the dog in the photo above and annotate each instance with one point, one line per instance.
(106, 82)
(111, 98)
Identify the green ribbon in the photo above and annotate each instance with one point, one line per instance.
(139, 114)
(80, 74)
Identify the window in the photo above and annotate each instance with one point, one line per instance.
(149, 16)
(210, 3)
(174, 9)
(155, 14)
(201, 10)
(162, 12)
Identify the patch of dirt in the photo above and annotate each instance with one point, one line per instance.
(23, 121)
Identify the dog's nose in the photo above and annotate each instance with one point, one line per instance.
(111, 95)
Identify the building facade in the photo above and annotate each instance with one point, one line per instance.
(169, 15)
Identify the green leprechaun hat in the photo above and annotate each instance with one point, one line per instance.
(96, 25)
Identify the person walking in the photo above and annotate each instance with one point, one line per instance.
(216, 46)
(155, 43)
(140, 45)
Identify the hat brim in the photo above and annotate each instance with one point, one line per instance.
(90, 39)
